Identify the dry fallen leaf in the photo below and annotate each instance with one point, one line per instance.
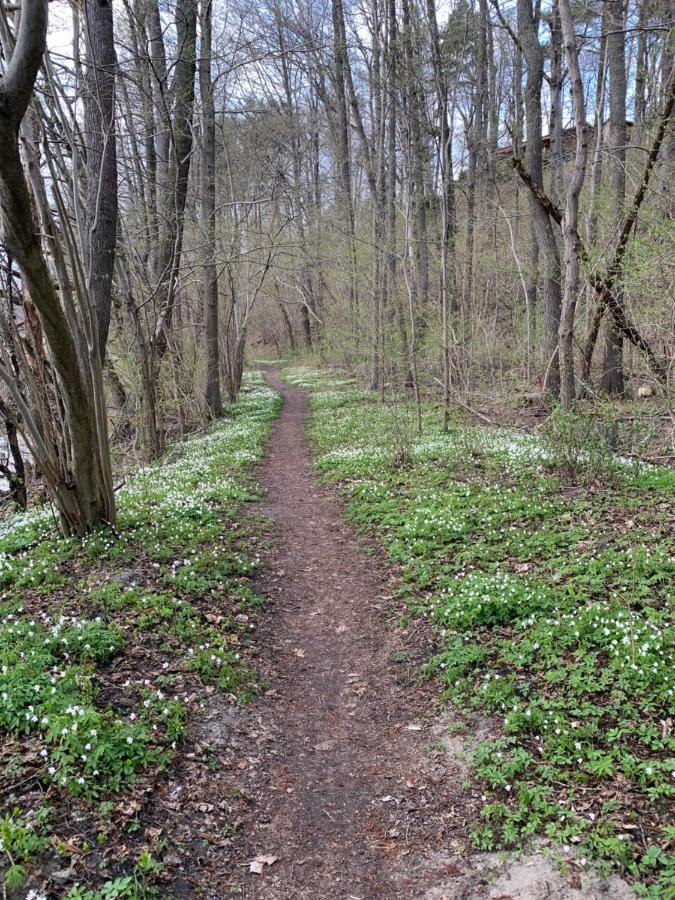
(299, 653)
(257, 865)
(129, 807)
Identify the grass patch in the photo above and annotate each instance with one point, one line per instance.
(109, 645)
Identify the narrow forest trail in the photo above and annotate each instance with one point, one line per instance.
(346, 794)
(345, 779)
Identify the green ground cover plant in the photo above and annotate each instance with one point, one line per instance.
(162, 597)
(546, 568)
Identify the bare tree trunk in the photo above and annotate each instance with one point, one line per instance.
(376, 174)
(393, 311)
(88, 499)
(570, 222)
(612, 376)
(448, 301)
(641, 64)
(467, 298)
(180, 155)
(98, 247)
(208, 215)
(549, 258)
(415, 116)
(556, 116)
(16, 477)
(161, 101)
(343, 155)
(598, 119)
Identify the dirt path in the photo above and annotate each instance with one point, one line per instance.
(346, 794)
(343, 780)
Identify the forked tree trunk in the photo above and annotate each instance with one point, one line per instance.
(87, 499)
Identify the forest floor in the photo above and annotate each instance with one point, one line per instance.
(355, 790)
(223, 697)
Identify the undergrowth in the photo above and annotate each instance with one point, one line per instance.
(162, 598)
(546, 568)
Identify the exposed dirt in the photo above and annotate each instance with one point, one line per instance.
(347, 793)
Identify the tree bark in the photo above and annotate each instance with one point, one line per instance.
(556, 116)
(548, 258)
(570, 222)
(612, 376)
(100, 220)
(448, 302)
(180, 155)
(87, 499)
(208, 215)
(343, 151)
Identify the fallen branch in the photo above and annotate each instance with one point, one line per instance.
(604, 285)
(629, 221)
(474, 412)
